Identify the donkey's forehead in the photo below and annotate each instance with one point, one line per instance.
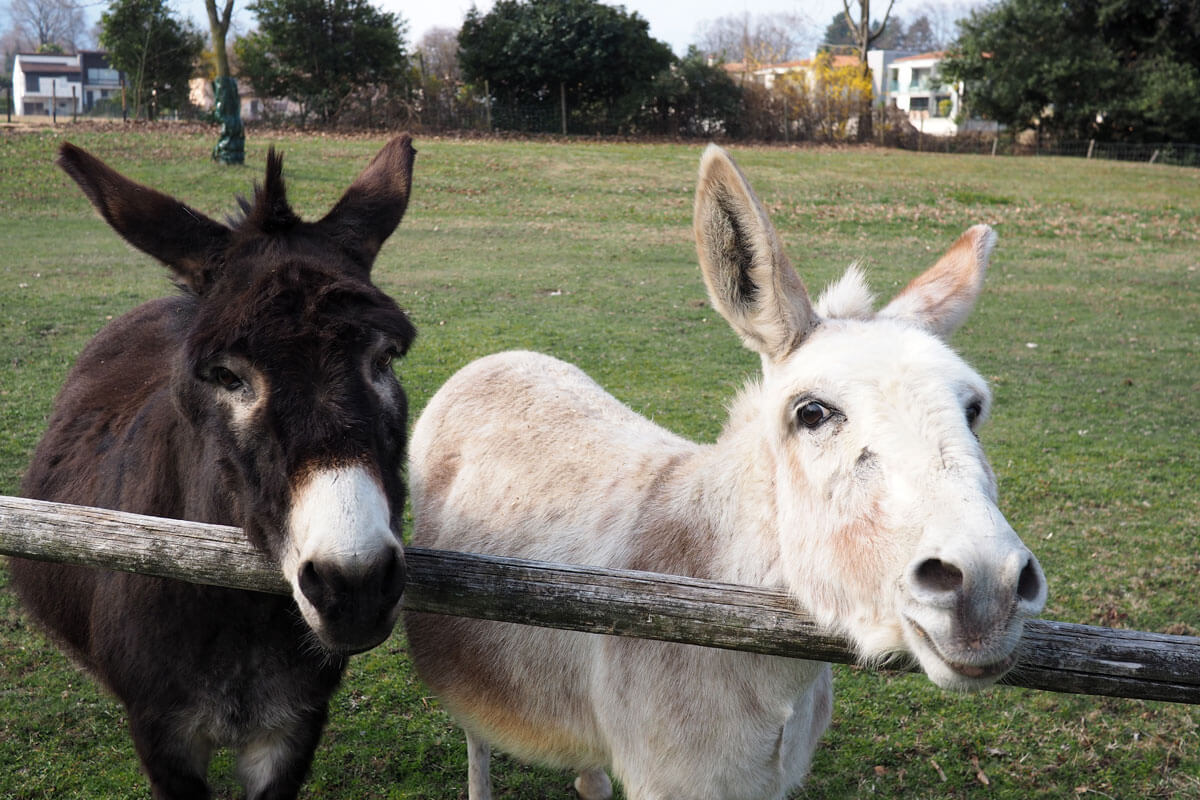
(296, 303)
(877, 352)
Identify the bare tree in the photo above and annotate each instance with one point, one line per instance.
(864, 37)
(227, 105)
(761, 38)
(218, 26)
(438, 53)
(919, 36)
(943, 17)
(49, 23)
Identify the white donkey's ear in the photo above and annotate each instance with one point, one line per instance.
(941, 298)
(749, 279)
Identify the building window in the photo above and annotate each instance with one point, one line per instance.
(106, 76)
(32, 83)
(893, 79)
(918, 104)
(920, 78)
(942, 105)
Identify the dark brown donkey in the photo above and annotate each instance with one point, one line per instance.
(261, 396)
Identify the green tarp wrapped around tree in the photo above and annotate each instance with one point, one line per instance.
(231, 144)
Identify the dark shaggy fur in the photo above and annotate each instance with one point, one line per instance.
(138, 426)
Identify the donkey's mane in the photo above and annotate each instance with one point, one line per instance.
(849, 297)
(270, 211)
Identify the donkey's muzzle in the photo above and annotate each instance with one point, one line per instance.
(357, 603)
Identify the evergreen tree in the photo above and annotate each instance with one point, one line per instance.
(155, 49)
(321, 52)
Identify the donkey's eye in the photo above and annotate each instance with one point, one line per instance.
(974, 411)
(383, 361)
(225, 378)
(812, 414)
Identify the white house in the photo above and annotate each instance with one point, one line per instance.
(46, 83)
(933, 105)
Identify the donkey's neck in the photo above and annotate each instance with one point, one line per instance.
(714, 514)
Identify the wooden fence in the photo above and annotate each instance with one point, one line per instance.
(1056, 656)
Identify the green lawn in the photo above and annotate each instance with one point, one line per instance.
(1089, 330)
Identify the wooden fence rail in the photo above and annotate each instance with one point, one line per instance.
(1056, 656)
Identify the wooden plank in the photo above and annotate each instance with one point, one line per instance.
(1056, 656)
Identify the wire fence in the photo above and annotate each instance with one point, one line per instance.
(448, 114)
(1006, 144)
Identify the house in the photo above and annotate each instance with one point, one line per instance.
(934, 107)
(50, 84)
(766, 74)
(901, 78)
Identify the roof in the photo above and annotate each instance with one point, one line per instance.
(934, 55)
(43, 68)
(787, 66)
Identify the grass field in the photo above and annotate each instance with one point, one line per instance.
(1089, 330)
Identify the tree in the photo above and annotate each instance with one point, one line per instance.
(155, 49)
(227, 106)
(692, 98)
(321, 53)
(865, 36)
(46, 23)
(942, 17)
(540, 52)
(1114, 69)
(838, 33)
(918, 36)
(761, 38)
(438, 53)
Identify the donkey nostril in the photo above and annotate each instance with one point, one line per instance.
(393, 578)
(311, 584)
(1029, 584)
(936, 575)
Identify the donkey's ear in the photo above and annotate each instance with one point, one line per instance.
(161, 226)
(749, 279)
(372, 207)
(941, 298)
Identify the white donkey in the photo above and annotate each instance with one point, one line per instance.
(849, 474)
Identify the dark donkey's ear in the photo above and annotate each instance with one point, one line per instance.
(180, 237)
(372, 207)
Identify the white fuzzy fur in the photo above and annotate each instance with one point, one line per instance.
(340, 517)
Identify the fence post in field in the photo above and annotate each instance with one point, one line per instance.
(1154, 157)
(1055, 656)
(487, 103)
(1091, 147)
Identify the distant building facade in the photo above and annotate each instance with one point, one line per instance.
(913, 83)
(906, 79)
(47, 84)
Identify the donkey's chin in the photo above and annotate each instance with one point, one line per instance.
(952, 664)
(343, 640)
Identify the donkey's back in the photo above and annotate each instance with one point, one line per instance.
(560, 459)
(115, 394)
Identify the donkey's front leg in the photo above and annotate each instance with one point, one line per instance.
(273, 765)
(176, 765)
